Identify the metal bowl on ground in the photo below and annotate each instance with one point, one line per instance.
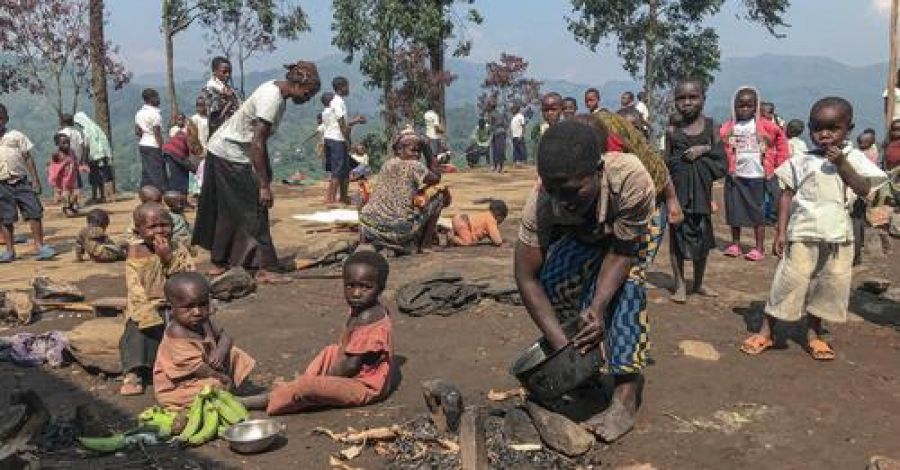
(547, 374)
(253, 436)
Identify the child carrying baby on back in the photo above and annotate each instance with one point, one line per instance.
(194, 351)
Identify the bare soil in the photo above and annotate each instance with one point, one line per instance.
(780, 410)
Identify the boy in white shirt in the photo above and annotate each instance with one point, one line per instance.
(814, 237)
(517, 133)
(148, 128)
(19, 190)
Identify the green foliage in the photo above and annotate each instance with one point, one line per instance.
(662, 41)
(377, 148)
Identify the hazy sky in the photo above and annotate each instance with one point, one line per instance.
(850, 31)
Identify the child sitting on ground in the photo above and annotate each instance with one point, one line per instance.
(195, 351)
(814, 238)
(360, 173)
(359, 369)
(150, 261)
(66, 177)
(176, 201)
(469, 230)
(95, 243)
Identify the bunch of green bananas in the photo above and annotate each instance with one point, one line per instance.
(210, 414)
(159, 419)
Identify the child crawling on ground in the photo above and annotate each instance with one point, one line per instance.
(195, 351)
(358, 370)
(93, 242)
(470, 229)
(151, 259)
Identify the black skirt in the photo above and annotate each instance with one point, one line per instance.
(230, 222)
(693, 238)
(744, 199)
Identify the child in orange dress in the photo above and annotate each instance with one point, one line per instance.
(469, 229)
(359, 369)
(194, 351)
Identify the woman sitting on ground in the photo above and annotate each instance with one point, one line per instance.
(406, 202)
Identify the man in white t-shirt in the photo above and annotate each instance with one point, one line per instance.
(19, 190)
(233, 216)
(337, 142)
(641, 106)
(148, 129)
(434, 131)
(517, 134)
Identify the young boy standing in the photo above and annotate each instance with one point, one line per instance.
(20, 186)
(815, 237)
(551, 110)
(517, 133)
(148, 129)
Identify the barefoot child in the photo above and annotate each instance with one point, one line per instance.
(470, 229)
(358, 370)
(696, 158)
(66, 178)
(151, 260)
(195, 351)
(755, 146)
(814, 237)
(93, 242)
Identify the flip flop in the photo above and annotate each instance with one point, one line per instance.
(46, 253)
(733, 250)
(754, 255)
(820, 350)
(756, 344)
(7, 257)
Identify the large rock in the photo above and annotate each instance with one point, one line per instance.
(53, 289)
(518, 428)
(95, 344)
(698, 350)
(883, 463)
(558, 432)
(232, 284)
(18, 304)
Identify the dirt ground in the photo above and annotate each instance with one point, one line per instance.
(781, 410)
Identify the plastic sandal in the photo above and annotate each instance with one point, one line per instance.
(733, 250)
(754, 255)
(820, 350)
(45, 253)
(756, 344)
(7, 257)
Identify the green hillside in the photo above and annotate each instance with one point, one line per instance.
(793, 83)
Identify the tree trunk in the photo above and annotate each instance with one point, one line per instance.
(240, 55)
(387, 86)
(650, 53)
(438, 94)
(98, 75)
(170, 54)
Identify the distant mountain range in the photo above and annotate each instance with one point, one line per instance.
(792, 82)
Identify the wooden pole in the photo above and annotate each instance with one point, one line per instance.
(892, 68)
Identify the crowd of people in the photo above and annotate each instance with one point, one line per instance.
(592, 224)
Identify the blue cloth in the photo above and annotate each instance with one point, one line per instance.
(569, 277)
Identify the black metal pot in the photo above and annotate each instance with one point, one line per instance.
(547, 374)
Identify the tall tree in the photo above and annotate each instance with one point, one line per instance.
(177, 16)
(434, 24)
(98, 67)
(239, 29)
(413, 91)
(370, 30)
(506, 83)
(661, 41)
(47, 45)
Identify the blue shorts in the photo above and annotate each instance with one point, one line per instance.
(19, 197)
(337, 158)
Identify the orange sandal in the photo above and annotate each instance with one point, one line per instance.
(820, 350)
(756, 344)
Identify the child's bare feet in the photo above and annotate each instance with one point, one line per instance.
(268, 277)
(704, 291)
(217, 271)
(612, 423)
(680, 295)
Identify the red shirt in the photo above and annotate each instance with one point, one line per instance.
(177, 145)
(892, 155)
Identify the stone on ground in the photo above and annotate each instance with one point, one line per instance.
(53, 289)
(233, 284)
(518, 428)
(699, 350)
(879, 462)
(558, 432)
(875, 285)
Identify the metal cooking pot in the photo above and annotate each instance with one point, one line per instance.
(253, 436)
(547, 374)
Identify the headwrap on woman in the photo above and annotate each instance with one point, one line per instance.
(97, 141)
